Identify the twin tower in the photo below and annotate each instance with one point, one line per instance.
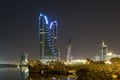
(48, 38)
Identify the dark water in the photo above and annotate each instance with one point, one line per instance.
(23, 74)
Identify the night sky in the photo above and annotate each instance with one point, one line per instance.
(87, 22)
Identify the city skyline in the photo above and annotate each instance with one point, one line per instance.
(88, 23)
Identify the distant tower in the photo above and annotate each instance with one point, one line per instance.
(68, 50)
(24, 59)
(103, 51)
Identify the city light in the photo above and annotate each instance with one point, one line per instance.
(46, 19)
(108, 62)
(41, 14)
(109, 54)
(51, 24)
(79, 61)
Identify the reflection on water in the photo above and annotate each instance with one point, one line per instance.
(24, 75)
(8, 74)
(23, 72)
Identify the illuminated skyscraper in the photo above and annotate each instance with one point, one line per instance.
(48, 38)
(103, 51)
(53, 27)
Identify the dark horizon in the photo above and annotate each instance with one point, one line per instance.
(88, 23)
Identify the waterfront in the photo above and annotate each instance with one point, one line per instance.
(22, 74)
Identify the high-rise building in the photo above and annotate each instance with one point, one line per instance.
(53, 28)
(48, 38)
(103, 51)
(68, 50)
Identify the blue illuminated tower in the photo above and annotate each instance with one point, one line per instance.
(48, 38)
(53, 27)
(103, 51)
